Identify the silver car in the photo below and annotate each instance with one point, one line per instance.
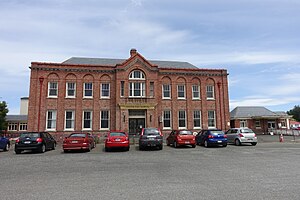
(238, 136)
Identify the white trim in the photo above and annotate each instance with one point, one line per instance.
(65, 121)
(106, 129)
(199, 93)
(183, 92)
(67, 96)
(88, 97)
(105, 97)
(91, 119)
(52, 96)
(55, 118)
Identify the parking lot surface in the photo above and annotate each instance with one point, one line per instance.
(265, 171)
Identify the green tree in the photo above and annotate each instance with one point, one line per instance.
(3, 112)
(295, 112)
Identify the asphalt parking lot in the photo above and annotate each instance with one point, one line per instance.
(266, 171)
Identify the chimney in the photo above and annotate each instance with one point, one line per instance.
(132, 52)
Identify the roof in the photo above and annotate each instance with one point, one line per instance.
(16, 118)
(247, 112)
(114, 62)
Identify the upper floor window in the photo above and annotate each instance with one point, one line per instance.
(181, 91)
(70, 90)
(210, 92)
(88, 90)
(52, 89)
(137, 89)
(137, 75)
(196, 91)
(166, 91)
(105, 90)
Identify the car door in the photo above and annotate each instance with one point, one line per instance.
(229, 135)
(171, 137)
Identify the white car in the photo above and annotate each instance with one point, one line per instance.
(238, 136)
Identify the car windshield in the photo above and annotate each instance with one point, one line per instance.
(151, 131)
(246, 130)
(82, 135)
(117, 134)
(31, 135)
(216, 132)
(185, 132)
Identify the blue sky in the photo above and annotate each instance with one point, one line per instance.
(257, 41)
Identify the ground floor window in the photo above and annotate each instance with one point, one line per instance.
(257, 124)
(181, 119)
(51, 120)
(197, 119)
(87, 120)
(243, 123)
(23, 127)
(12, 126)
(167, 119)
(104, 123)
(211, 119)
(69, 120)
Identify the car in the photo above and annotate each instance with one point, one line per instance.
(4, 143)
(79, 141)
(211, 137)
(151, 137)
(117, 139)
(181, 138)
(35, 141)
(239, 136)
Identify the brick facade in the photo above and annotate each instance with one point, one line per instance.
(125, 112)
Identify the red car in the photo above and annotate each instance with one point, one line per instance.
(117, 139)
(79, 141)
(181, 138)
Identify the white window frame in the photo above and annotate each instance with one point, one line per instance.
(108, 120)
(209, 118)
(170, 119)
(133, 76)
(243, 123)
(67, 90)
(52, 88)
(210, 89)
(102, 96)
(22, 125)
(84, 90)
(72, 120)
(53, 120)
(179, 119)
(198, 91)
(141, 89)
(194, 118)
(12, 126)
(163, 91)
(184, 96)
(91, 120)
(257, 125)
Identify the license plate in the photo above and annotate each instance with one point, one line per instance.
(117, 139)
(151, 138)
(187, 142)
(250, 139)
(74, 141)
(219, 141)
(27, 142)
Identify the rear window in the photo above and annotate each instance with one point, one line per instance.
(151, 131)
(77, 135)
(246, 131)
(216, 132)
(31, 135)
(117, 134)
(185, 133)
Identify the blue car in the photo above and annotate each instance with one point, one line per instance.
(211, 137)
(4, 143)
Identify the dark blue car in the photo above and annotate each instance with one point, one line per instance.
(4, 143)
(211, 137)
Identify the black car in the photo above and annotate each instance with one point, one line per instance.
(35, 141)
(211, 137)
(151, 137)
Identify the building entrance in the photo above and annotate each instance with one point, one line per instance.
(137, 121)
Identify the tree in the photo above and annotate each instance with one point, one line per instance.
(295, 112)
(3, 112)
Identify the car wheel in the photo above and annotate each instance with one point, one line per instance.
(161, 147)
(194, 146)
(175, 144)
(206, 144)
(54, 145)
(106, 149)
(254, 143)
(94, 146)
(43, 148)
(66, 151)
(224, 145)
(141, 148)
(237, 142)
(17, 151)
(127, 148)
(168, 143)
(6, 148)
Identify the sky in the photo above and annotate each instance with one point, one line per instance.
(257, 41)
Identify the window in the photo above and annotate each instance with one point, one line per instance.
(243, 123)
(210, 92)
(12, 126)
(211, 119)
(104, 123)
(257, 124)
(166, 91)
(196, 91)
(197, 119)
(151, 89)
(137, 89)
(88, 90)
(138, 75)
(122, 88)
(69, 120)
(52, 89)
(181, 119)
(23, 127)
(105, 90)
(51, 120)
(181, 91)
(167, 119)
(70, 90)
(87, 120)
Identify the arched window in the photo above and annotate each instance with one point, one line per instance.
(137, 84)
(137, 75)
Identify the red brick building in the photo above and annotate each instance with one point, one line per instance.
(97, 95)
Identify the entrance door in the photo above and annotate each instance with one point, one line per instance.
(136, 125)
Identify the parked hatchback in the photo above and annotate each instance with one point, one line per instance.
(117, 139)
(4, 143)
(151, 137)
(79, 141)
(211, 137)
(35, 141)
(239, 136)
(181, 138)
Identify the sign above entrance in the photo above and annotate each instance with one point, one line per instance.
(138, 107)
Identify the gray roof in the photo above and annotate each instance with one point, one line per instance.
(114, 62)
(16, 118)
(250, 112)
